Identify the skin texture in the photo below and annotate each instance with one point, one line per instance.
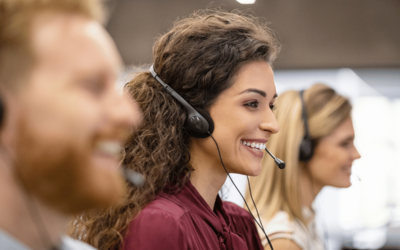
(283, 244)
(54, 124)
(238, 114)
(336, 153)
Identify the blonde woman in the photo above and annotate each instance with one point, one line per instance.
(316, 142)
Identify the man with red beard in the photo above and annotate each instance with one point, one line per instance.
(63, 120)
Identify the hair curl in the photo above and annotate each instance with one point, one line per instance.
(198, 58)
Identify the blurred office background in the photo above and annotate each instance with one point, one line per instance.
(353, 46)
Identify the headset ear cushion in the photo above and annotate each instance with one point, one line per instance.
(306, 149)
(208, 118)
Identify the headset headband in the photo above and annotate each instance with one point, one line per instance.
(304, 115)
(199, 123)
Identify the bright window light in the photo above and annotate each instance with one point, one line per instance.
(246, 1)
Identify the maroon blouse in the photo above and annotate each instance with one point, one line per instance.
(185, 221)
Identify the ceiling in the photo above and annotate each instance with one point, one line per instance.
(314, 34)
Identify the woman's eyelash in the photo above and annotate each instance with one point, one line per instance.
(253, 104)
(345, 144)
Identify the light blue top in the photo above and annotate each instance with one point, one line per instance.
(7, 242)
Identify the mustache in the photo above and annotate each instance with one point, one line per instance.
(121, 135)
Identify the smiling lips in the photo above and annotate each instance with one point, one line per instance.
(347, 169)
(254, 145)
(108, 148)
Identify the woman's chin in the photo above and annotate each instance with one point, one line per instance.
(346, 184)
(251, 170)
(341, 184)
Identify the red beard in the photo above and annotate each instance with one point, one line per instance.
(56, 168)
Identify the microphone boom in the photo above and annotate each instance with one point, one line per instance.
(281, 164)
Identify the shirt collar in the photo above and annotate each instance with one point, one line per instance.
(217, 219)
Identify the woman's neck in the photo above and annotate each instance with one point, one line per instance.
(208, 177)
(309, 188)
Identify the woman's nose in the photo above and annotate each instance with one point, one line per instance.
(269, 123)
(356, 154)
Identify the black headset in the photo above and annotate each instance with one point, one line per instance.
(306, 145)
(199, 123)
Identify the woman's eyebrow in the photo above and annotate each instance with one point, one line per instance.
(260, 92)
(349, 138)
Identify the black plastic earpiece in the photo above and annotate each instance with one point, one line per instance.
(196, 127)
(306, 150)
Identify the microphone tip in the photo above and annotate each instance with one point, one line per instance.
(134, 177)
(280, 163)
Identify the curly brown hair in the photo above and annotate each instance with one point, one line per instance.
(198, 58)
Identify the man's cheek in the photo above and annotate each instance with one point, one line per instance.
(58, 168)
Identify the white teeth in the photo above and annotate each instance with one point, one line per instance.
(256, 146)
(112, 148)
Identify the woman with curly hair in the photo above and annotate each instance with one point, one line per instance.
(220, 63)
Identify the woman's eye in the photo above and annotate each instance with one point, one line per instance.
(252, 104)
(345, 144)
(272, 107)
(95, 87)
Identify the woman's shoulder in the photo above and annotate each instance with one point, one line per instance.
(280, 222)
(158, 226)
(164, 206)
(280, 226)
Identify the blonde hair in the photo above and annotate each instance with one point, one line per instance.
(275, 189)
(16, 16)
